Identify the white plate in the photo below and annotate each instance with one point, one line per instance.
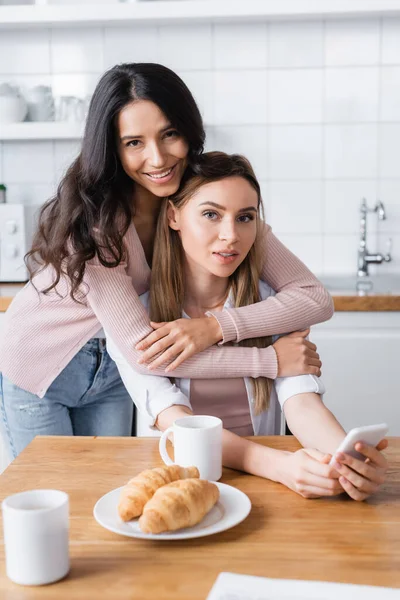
(232, 507)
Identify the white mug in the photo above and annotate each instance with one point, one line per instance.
(197, 442)
(36, 527)
(40, 103)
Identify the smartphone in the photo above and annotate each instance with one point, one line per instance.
(370, 434)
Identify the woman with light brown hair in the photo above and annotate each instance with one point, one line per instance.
(208, 256)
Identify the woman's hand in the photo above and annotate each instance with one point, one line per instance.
(173, 342)
(296, 355)
(359, 478)
(308, 473)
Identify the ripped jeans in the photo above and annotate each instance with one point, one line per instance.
(87, 398)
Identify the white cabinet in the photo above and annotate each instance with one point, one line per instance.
(360, 352)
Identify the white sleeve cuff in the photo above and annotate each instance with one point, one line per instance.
(151, 407)
(286, 387)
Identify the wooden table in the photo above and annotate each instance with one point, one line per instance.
(285, 536)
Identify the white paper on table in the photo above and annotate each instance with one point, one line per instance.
(231, 586)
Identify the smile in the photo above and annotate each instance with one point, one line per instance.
(162, 176)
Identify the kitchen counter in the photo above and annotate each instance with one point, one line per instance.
(352, 302)
(344, 300)
(371, 293)
(7, 292)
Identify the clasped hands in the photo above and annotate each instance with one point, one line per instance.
(173, 342)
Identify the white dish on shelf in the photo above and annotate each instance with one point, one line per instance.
(231, 509)
(12, 105)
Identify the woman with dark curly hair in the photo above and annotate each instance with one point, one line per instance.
(91, 257)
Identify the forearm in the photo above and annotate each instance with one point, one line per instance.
(237, 452)
(124, 317)
(244, 455)
(312, 423)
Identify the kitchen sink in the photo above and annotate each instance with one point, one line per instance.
(376, 284)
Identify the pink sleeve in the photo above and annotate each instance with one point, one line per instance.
(113, 299)
(301, 300)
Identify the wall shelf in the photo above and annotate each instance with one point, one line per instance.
(165, 12)
(41, 131)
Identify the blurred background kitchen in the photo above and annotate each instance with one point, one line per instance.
(308, 91)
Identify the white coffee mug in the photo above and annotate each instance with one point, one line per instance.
(197, 442)
(36, 527)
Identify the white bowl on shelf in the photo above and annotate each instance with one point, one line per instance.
(12, 109)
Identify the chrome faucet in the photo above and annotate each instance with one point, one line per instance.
(365, 259)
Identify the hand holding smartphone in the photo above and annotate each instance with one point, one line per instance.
(370, 434)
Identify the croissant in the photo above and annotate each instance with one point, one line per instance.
(182, 503)
(141, 488)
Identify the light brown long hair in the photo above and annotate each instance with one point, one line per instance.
(167, 289)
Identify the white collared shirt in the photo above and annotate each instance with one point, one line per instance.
(152, 394)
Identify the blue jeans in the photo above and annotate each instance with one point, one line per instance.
(87, 398)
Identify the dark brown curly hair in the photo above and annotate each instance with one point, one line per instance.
(93, 207)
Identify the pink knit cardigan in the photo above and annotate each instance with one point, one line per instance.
(42, 333)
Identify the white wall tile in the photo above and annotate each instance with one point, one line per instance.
(32, 194)
(247, 140)
(130, 44)
(390, 90)
(185, 46)
(266, 199)
(296, 206)
(391, 41)
(306, 247)
(389, 194)
(351, 95)
(200, 83)
(210, 136)
(351, 151)
(64, 153)
(296, 44)
(262, 92)
(241, 45)
(340, 254)
(74, 50)
(342, 204)
(24, 51)
(28, 162)
(78, 84)
(352, 42)
(389, 150)
(295, 96)
(295, 152)
(240, 97)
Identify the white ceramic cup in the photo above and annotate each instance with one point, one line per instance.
(12, 108)
(197, 442)
(36, 527)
